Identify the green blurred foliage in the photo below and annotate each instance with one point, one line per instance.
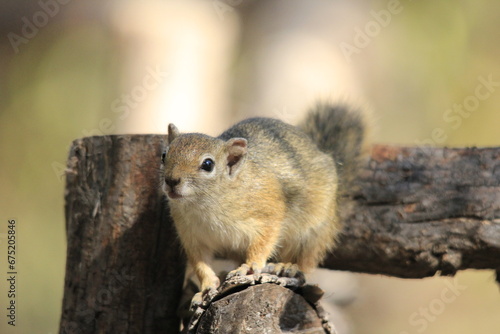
(60, 83)
(428, 59)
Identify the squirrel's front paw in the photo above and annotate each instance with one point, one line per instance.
(196, 300)
(244, 270)
(283, 270)
(200, 297)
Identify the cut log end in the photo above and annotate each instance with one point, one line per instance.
(251, 304)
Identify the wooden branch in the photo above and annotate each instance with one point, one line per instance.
(414, 212)
(420, 211)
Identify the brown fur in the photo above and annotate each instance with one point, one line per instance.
(271, 195)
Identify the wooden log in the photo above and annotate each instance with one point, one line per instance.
(413, 212)
(265, 308)
(263, 303)
(421, 211)
(124, 268)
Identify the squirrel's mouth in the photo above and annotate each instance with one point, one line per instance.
(173, 195)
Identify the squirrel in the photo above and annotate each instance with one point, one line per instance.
(262, 190)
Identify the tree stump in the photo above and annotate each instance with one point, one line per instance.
(414, 212)
(124, 268)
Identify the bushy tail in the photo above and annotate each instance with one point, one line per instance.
(340, 131)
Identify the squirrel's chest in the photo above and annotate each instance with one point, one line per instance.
(214, 229)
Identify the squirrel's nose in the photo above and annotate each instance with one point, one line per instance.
(172, 182)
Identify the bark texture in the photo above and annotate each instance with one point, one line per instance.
(124, 268)
(413, 212)
(421, 211)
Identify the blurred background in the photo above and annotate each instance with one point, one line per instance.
(429, 71)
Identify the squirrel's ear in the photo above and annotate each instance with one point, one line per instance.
(173, 132)
(236, 154)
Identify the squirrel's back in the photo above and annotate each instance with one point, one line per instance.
(275, 144)
(337, 130)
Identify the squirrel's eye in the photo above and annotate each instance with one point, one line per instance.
(208, 165)
(163, 155)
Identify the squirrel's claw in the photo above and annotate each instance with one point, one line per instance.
(283, 270)
(196, 301)
(291, 270)
(206, 295)
(245, 269)
(242, 270)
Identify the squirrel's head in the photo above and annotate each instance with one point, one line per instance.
(195, 164)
